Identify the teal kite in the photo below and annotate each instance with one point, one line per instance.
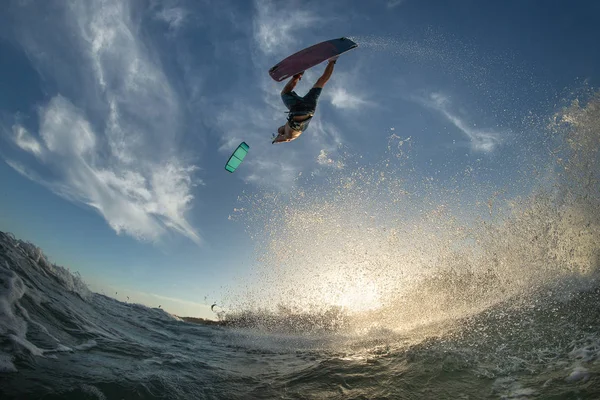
(237, 157)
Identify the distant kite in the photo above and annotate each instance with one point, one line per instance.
(237, 157)
(212, 307)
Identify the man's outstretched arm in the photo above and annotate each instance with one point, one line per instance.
(292, 83)
(326, 75)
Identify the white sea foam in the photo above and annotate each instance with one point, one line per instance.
(25, 333)
(60, 348)
(587, 353)
(12, 323)
(510, 388)
(579, 374)
(27, 345)
(87, 345)
(94, 391)
(71, 281)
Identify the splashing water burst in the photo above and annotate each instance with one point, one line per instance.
(378, 247)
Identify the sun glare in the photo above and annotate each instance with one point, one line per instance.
(353, 293)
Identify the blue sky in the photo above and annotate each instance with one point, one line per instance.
(116, 118)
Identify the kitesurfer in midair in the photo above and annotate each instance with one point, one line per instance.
(301, 109)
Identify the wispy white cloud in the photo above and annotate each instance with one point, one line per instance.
(394, 3)
(326, 136)
(25, 141)
(65, 130)
(23, 170)
(140, 203)
(109, 144)
(275, 26)
(480, 139)
(345, 90)
(173, 16)
(342, 98)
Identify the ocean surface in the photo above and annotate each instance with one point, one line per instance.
(60, 341)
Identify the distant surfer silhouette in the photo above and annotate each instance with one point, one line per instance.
(301, 109)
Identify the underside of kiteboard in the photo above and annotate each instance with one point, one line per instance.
(309, 57)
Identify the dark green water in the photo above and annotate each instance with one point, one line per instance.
(61, 342)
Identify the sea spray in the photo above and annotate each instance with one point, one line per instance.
(387, 249)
